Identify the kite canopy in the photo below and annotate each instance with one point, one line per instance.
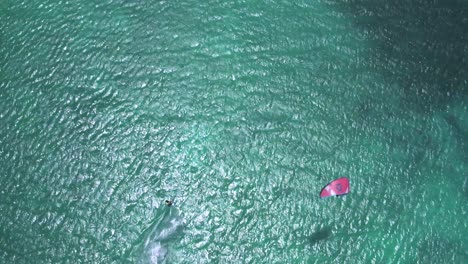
(337, 187)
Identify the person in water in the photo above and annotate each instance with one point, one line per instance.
(168, 203)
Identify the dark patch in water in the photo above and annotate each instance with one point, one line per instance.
(460, 134)
(440, 250)
(421, 45)
(465, 188)
(320, 235)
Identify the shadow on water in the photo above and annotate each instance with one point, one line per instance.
(320, 235)
(420, 45)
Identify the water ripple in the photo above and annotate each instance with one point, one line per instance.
(240, 112)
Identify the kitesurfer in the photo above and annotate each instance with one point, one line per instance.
(168, 203)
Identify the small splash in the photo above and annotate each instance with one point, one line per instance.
(157, 253)
(170, 230)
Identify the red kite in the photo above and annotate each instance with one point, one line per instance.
(335, 188)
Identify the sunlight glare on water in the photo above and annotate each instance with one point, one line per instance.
(240, 111)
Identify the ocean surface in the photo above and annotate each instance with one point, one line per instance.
(239, 112)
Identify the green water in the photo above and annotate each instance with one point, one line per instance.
(241, 112)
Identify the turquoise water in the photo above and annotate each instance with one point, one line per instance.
(240, 112)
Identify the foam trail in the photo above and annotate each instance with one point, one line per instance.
(157, 253)
(156, 246)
